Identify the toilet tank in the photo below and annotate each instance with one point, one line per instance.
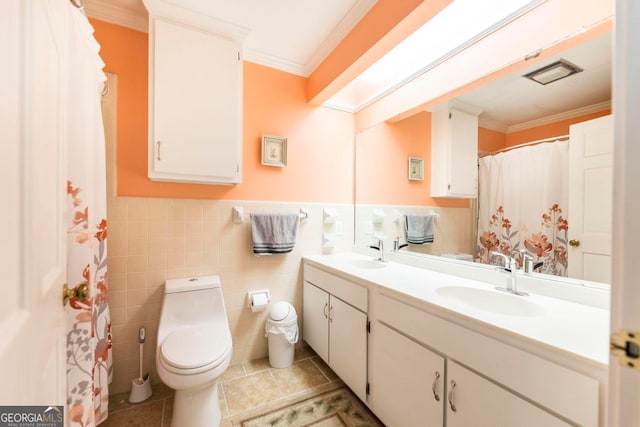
(191, 284)
(189, 302)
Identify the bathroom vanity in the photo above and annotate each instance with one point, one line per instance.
(431, 348)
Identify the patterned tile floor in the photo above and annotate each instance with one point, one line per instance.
(246, 388)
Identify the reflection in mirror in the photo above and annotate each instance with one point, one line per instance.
(515, 111)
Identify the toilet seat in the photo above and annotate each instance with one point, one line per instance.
(195, 349)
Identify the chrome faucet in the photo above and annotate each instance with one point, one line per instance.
(511, 267)
(380, 249)
(397, 246)
(527, 261)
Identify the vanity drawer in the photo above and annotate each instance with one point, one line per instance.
(557, 388)
(348, 292)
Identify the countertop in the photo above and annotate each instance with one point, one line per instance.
(577, 330)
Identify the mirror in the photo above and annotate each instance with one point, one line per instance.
(514, 111)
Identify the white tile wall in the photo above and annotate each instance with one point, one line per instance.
(453, 229)
(151, 240)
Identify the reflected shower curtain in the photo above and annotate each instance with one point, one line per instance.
(88, 321)
(522, 204)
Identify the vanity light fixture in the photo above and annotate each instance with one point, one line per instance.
(553, 72)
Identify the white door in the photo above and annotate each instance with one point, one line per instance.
(348, 345)
(591, 199)
(624, 382)
(315, 319)
(32, 165)
(410, 393)
(474, 401)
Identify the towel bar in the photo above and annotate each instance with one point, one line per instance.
(239, 217)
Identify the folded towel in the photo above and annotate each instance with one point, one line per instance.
(273, 233)
(419, 229)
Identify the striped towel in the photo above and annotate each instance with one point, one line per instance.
(419, 229)
(273, 233)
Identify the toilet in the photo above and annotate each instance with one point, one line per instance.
(194, 348)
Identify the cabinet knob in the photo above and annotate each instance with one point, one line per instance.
(434, 387)
(451, 404)
(574, 242)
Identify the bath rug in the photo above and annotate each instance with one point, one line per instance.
(337, 408)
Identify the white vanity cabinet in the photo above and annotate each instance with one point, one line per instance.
(406, 380)
(334, 324)
(195, 105)
(454, 152)
(496, 384)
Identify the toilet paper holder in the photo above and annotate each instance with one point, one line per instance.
(258, 300)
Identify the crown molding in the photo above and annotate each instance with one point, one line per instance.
(566, 115)
(108, 12)
(490, 124)
(169, 11)
(273, 61)
(350, 20)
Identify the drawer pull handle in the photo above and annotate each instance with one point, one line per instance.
(324, 310)
(451, 404)
(330, 310)
(158, 152)
(434, 387)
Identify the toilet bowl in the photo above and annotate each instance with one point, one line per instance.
(194, 348)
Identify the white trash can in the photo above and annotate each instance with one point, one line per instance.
(282, 332)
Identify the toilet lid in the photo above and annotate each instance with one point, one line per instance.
(195, 346)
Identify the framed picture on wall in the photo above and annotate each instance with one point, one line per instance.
(274, 150)
(416, 169)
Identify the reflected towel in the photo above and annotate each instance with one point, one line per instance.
(419, 229)
(273, 233)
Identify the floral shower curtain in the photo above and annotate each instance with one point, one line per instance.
(88, 321)
(522, 204)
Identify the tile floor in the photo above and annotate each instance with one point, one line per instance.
(245, 389)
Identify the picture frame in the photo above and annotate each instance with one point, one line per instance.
(416, 169)
(274, 150)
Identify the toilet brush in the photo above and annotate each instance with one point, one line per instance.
(141, 386)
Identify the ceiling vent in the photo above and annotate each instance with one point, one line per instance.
(553, 72)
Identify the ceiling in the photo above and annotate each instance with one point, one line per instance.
(514, 103)
(295, 36)
(289, 35)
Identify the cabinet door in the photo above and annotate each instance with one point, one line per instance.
(406, 379)
(463, 154)
(315, 319)
(454, 153)
(196, 105)
(348, 345)
(479, 402)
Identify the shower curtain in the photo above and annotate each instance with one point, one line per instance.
(522, 204)
(88, 321)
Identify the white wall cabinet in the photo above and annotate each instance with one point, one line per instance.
(195, 105)
(406, 380)
(335, 326)
(454, 152)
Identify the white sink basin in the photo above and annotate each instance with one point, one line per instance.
(491, 301)
(367, 263)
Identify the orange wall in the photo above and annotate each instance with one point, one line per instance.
(490, 140)
(382, 154)
(320, 144)
(550, 130)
